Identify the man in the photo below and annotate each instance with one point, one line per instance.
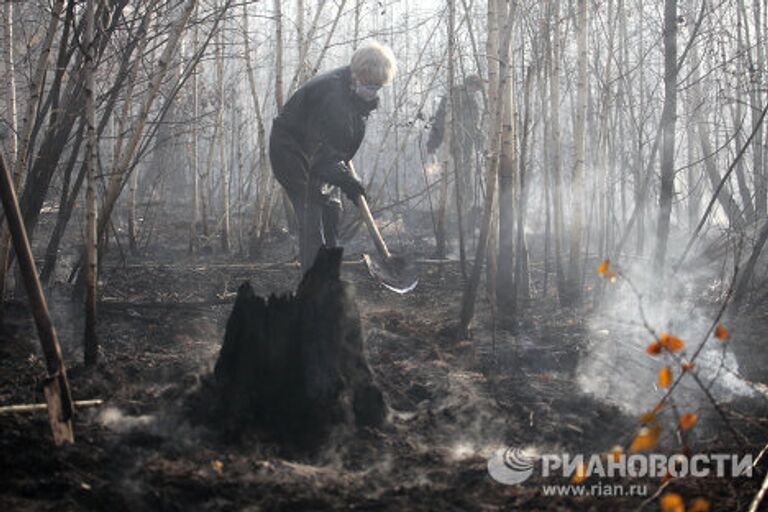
(315, 137)
(467, 115)
(468, 132)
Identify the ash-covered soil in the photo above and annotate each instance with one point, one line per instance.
(454, 402)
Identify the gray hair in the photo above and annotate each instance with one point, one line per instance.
(374, 63)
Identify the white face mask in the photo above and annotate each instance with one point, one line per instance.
(367, 92)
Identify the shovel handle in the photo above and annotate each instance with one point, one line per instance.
(373, 229)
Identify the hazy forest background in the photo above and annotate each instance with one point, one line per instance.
(618, 196)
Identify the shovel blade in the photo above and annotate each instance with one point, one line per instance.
(396, 274)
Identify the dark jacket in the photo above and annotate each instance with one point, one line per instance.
(319, 129)
(468, 132)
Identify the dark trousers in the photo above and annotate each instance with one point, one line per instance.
(317, 206)
(318, 224)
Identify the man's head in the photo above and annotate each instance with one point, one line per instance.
(373, 66)
(473, 83)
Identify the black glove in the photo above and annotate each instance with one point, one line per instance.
(352, 188)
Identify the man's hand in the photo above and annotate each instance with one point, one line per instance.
(353, 189)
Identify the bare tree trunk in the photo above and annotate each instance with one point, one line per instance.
(194, 240)
(10, 82)
(21, 139)
(604, 182)
(555, 146)
(10, 100)
(132, 228)
(264, 177)
(578, 189)
(91, 344)
(508, 167)
(522, 272)
(453, 149)
(224, 167)
(356, 30)
(279, 100)
(278, 55)
(547, 159)
(758, 149)
(440, 231)
(497, 82)
(668, 133)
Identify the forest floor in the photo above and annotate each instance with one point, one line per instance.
(453, 402)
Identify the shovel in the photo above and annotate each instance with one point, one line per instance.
(394, 272)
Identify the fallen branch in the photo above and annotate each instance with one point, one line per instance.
(13, 409)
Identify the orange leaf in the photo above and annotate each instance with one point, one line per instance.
(699, 505)
(671, 343)
(603, 267)
(579, 475)
(645, 439)
(672, 502)
(688, 420)
(648, 417)
(687, 366)
(654, 348)
(665, 377)
(721, 332)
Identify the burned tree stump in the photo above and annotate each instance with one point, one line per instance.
(295, 364)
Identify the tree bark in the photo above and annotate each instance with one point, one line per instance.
(91, 342)
(556, 147)
(668, 117)
(578, 188)
(497, 82)
(295, 365)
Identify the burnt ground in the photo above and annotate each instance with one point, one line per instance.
(162, 321)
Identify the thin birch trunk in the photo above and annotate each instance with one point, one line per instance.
(132, 227)
(668, 133)
(278, 55)
(91, 342)
(508, 167)
(497, 55)
(194, 240)
(224, 165)
(578, 188)
(265, 179)
(453, 149)
(555, 146)
(755, 93)
(522, 271)
(10, 83)
(10, 92)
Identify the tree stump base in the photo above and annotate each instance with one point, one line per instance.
(295, 364)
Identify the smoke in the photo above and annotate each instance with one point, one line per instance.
(616, 368)
(113, 419)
